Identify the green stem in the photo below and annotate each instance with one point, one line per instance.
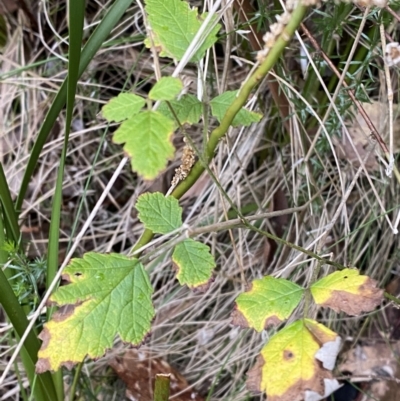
(234, 108)
(77, 374)
(391, 298)
(241, 99)
(161, 387)
(293, 246)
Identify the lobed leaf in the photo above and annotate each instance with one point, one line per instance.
(269, 301)
(147, 139)
(221, 103)
(124, 106)
(174, 25)
(347, 291)
(194, 262)
(188, 109)
(167, 88)
(158, 213)
(296, 363)
(109, 295)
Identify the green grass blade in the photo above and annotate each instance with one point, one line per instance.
(75, 17)
(3, 252)
(10, 218)
(44, 387)
(93, 44)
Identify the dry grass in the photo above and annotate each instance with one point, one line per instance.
(192, 331)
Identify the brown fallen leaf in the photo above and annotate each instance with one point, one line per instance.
(138, 370)
(377, 363)
(360, 134)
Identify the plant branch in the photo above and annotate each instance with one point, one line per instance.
(234, 108)
(245, 10)
(241, 98)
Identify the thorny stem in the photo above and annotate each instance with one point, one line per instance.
(246, 11)
(199, 167)
(291, 245)
(215, 136)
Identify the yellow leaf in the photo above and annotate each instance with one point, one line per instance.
(296, 363)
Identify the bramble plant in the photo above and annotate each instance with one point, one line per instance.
(102, 284)
(111, 294)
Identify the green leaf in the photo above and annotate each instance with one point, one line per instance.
(194, 262)
(347, 291)
(124, 106)
(158, 213)
(109, 295)
(188, 109)
(269, 301)
(167, 88)
(147, 138)
(220, 104)
(174, 25)
(296, 363)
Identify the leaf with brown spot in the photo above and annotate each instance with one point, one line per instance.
(296, 363)
(269, 301)
(347, 291)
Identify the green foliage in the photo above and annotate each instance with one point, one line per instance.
(187, 109)
(174, 25)
(158, 213)
(110, 295)
(220, 104)
(107, 295)
(167, 88)
(125, 105)
(147, 138)
(194, 262)
(288, 363)
(26, 276)
(3, 31)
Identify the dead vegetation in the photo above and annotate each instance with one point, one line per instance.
(284, 161)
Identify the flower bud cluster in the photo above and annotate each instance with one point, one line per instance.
(274, 31)
(188, 159)
(278, 27)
